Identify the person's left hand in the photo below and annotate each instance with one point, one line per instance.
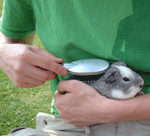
(81, 105)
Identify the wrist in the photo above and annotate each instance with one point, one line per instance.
(137, 108)
(105, 109)
(118, 110)
(115, 110)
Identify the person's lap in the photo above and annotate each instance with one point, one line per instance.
(48, 125)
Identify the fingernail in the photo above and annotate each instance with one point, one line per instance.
(64, 72)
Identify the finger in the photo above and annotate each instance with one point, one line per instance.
(58, 100)
(51, 76)
(65, 86)
(27, 79)
(57, 95)
(5, 67)
(40, 74)
(44, 53)
(16, 83)
(33, 72)
(25, 85)
(43, 62)
(71, 86)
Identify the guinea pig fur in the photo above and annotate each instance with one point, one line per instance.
(119, 82)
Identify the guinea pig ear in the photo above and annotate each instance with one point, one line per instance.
(119, 63)
(112, 77)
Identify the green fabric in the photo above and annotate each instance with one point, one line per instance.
(83, 29)
(0, 23)
(18, 19)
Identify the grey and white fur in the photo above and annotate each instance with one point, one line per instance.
(118, 82)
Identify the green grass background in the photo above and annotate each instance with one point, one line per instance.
(19, 106)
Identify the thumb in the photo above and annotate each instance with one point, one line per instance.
(65, 87)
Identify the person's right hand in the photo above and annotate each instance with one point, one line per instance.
(20, 61)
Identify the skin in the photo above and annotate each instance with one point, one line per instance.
(18, 59)
(82, 105)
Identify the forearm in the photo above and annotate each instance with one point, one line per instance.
(139, 108)
(132, 109)
(83, 105)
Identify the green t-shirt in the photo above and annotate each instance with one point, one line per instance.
(83, 29)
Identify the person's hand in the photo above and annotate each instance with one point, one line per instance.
(81, 105)
(20, 61)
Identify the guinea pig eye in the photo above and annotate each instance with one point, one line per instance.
(126, 79)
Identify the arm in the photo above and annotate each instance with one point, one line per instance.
(134, 109)
(82, 105)
(18, 60)
(27, 40)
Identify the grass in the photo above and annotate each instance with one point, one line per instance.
(1, 4)
(19, 106)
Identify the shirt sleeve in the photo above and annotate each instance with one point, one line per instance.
(0, 22)
(17, 18)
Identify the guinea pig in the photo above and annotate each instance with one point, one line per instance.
(119, 82)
